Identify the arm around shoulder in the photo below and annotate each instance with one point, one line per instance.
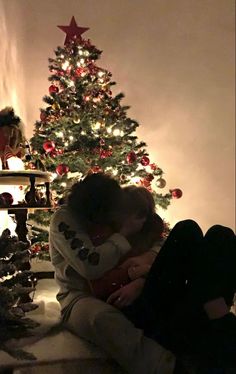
(68, 238)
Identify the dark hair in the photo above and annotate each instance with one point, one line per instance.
(96, 199)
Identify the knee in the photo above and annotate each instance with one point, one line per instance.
(221, 237)
(189, 227)
(220, 231)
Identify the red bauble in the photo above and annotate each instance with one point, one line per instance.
(7, 198)
(31, 165)
(53, 153)
(96, 169)
(176, 193)
(62, 169)
(79, 71)
(145, 161)
(131, 157)
(43, 116)
(53, 89)
(105, 153)
(149, 177)
(49, 146)
(153, 166)
(145, 182)
(36, 248)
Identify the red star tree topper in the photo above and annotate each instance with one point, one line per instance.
(73, 31)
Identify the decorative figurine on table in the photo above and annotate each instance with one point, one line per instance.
(11, 140)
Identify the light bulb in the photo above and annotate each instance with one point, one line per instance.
(71, 137)
(59, 134)
(109, 130)
(97, 125)
(65, 65)
(116, 132)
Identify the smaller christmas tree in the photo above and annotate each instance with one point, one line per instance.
(16, 284)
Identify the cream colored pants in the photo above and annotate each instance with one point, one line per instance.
(109, 329)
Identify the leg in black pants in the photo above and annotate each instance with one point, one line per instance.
(165, 286)
(189, 271)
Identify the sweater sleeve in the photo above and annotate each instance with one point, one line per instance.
(69, 239)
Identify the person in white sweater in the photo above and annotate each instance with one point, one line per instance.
(94, 201)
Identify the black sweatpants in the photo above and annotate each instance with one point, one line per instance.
(190, 270)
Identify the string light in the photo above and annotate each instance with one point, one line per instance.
(59, 134)
(65, 65)
(116, 132)
(97, 126)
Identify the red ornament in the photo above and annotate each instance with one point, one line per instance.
(131, 157)
(45, 247)
(96, 169)
(145, 161)
(153, 166)
(49, 146)
(149, 177)
(105, 153)
(53, 89)
(176, 193)
(145, 182)
(36, 248)
(43, 116)
(72, 31)
(7, 198)
(31, 165)
(53, 153)
(79, 71)
(62, 169)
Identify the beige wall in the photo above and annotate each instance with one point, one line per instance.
(174, 60)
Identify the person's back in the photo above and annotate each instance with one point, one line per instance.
(77, 261)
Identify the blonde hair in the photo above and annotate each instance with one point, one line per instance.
(138, 200)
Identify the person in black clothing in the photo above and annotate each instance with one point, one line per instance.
(185, 303)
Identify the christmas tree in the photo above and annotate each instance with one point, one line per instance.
(84, 128)
(16, 284)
